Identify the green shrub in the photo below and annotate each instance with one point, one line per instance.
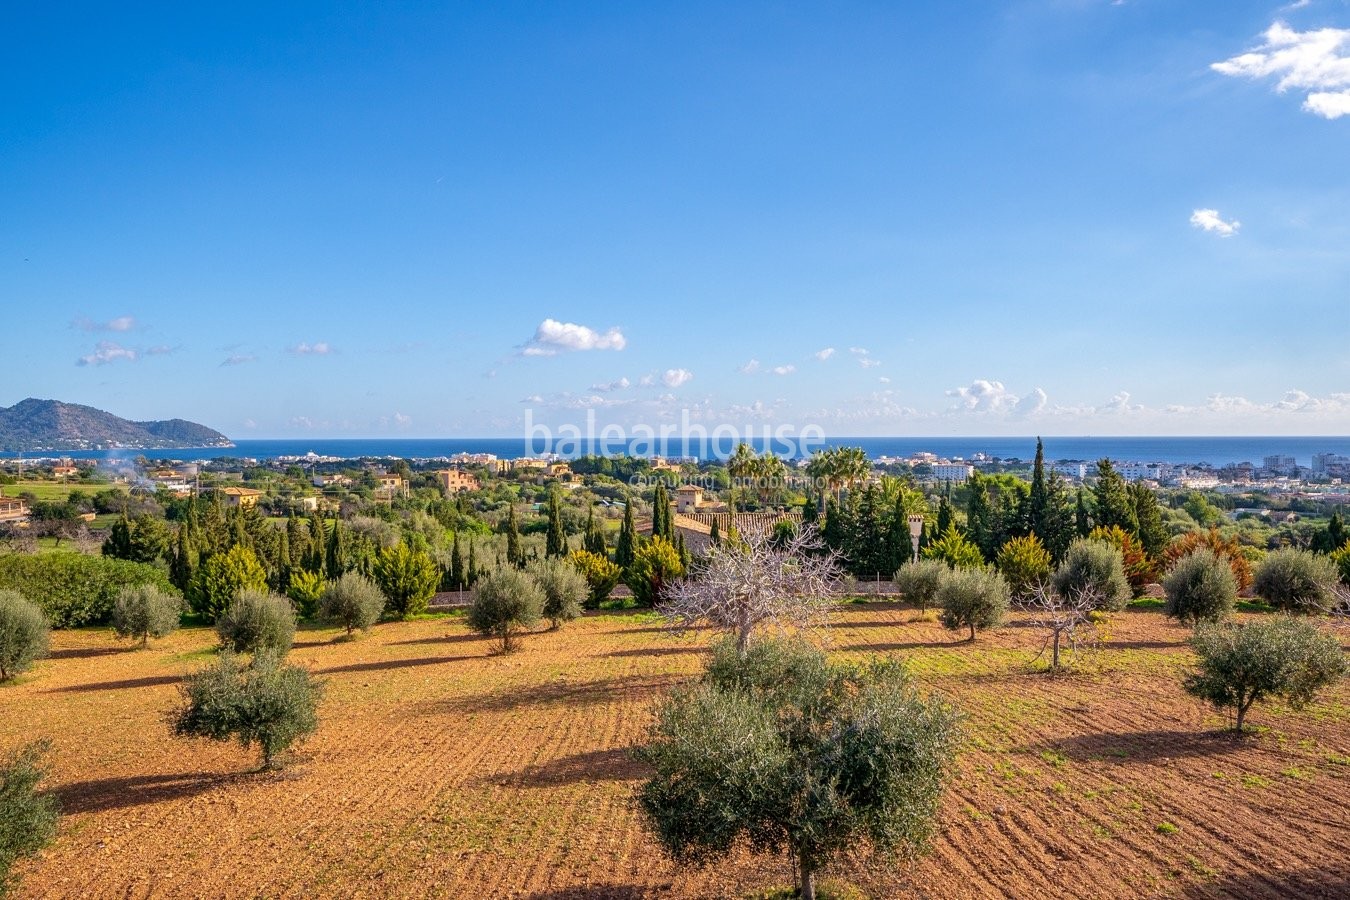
(972, 598)
(1096, 568)
(28, 817)
(145, 612)
(257, 620)
(601, 575)
(1025, 563)
(408, 578)
(1200, 587)
(74, 589)
(955, 550)
(352, 601)
(656, 563)
(1279, 657)
(221, 578)
(506, 603)
(564, 588)
(306, 590)
(918, 581)
(264, 702)
(1296, 581)
(23, 634)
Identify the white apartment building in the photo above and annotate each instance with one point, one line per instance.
(953, 471)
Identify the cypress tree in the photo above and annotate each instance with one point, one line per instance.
(183, 566)
(471, 570)
(456, 565)
(626, 547)
(715, 534)
(980, 528)
(318, 545)
(661, 519)
(296, 543)
(118, 542)
(595, 535)
(335, 554)
(683, 551)
(1038, 503)
(1152, 532)
(1113, 505)
(810, 512)
(556, 541)
(944, 515)
(1082, 525)
(515, 554)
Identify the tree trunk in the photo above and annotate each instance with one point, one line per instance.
(145, 640)
(743, 641)
(972, 632)
(806, 884)
(1054, 658)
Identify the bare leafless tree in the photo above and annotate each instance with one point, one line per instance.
(757, 581)
(1067, 619)
(1340, 607)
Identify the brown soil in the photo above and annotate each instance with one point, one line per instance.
(440, 769)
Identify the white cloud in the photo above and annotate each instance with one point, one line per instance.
(864, 357)
(859, 351)
(121, 323)
(318, 348)
(1314, 61)
(884, 380)
(869, 363)
(238, 359)
(784, 370)
(673, 378)
(1210, 220)
(647, 381)
(749, 368)
(250, 424)
(984, 396)
(401, 420)
(106, 352)
(607, 386)
(160, 350)
(553, 337)
(825, 354)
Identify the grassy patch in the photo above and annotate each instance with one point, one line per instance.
(1297, 774)
(1055, 758)
(1253, 606)
(1146, 603)
(1255, 781)
(1166, 828)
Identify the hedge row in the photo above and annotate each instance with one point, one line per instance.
(74, 589)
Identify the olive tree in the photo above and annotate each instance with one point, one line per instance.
(144, 611)
(757, 581)
(1094, 567)
(505, 603)
(972, 598)
(24, 634)
(1240, 664)
(1296, 581)
(28, 816)
(784, 750)
(918, 581)
(264, 703)
(257, 620)
(1201, 587)
(352, 601)
(563, 586)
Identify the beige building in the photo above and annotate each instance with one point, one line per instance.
(241, 496)
(13, 510)
(454, 481)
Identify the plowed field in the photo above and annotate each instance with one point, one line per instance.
(440, 769)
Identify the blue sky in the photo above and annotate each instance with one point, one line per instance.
(1057, 217)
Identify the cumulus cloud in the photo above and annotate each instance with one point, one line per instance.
(1210, 220)
(160, 350)
(647, 381)
(825, 354)
(673, 378)
(984, 396)
(864, 357)
(553, 337)
(239, 359)
(607, 386)
(784, 370)
(318, 348)
(107, 352)
(121, 323)
(1314, 61)
(749, 368)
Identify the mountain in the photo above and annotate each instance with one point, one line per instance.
(52, 425)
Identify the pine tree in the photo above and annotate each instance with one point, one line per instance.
(1082, 525)
(980, 526)
(118, 542)
(1153, 535)
(625, 549)
(556, 541)
(1113, 505)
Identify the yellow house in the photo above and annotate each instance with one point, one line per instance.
(456, 480)
(240, 496)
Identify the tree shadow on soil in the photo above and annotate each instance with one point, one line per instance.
(90, 652)
(1144, 645)
(566, 693)
(903, 645)
(879, 623)
(1309, 883)
(125, 684)
(1137, 746)
(445, 639)
(386, 665)
(656, 651)
(104, 794)
(598, 892)
(595, 765)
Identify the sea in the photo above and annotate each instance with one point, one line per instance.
(1215, 451)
